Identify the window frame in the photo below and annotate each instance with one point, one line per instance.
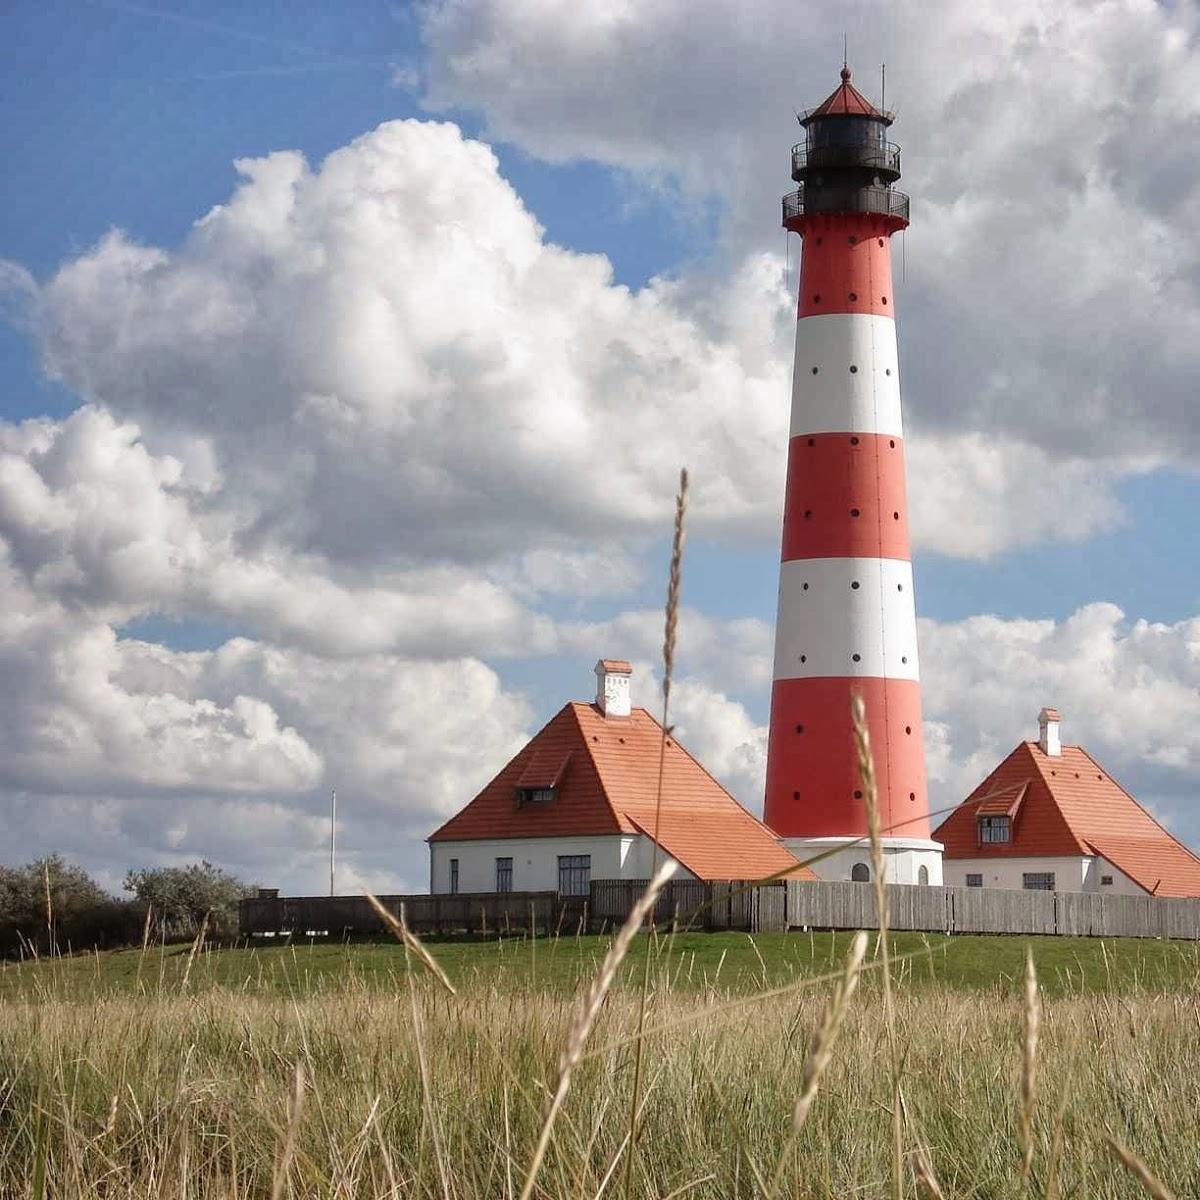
(575, 871)
(454, 877)
(504, 873)
(1106, 881)
(974, 879)
(1044, 881)
(545, 795)
(989, 828)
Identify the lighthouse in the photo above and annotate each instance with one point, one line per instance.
(846, 619)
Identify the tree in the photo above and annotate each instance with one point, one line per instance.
(50, 905)
(181, 897)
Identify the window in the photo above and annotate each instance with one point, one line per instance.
(993, 829)
(504, 874)
(1038, 881)
(574, 874)
(974, 880)
(1106, 881)
(544, 795)
(454, 877)
(923, 876)
(860, 873)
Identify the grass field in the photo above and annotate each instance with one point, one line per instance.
(696, 962)
(115, 1080)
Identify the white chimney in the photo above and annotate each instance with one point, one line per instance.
(1048, 739)
(612, 687)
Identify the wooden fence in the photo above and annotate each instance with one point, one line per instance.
(465, 912)
(804, 904)
(693, 904)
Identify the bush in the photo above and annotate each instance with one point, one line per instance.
(51, 906)
(181, 898)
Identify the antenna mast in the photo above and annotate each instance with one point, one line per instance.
(332, 837)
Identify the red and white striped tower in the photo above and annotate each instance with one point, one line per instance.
(846, 619)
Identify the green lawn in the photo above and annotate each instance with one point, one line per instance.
(691, 962)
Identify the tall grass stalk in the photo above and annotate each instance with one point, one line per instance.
(1150, 1183)
(670, 629)
(586, 1018)
(1032, 1013)
(819, 1054)
(866, 770)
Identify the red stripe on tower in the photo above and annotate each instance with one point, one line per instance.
(846, 622)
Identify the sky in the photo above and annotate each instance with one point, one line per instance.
(351, 352)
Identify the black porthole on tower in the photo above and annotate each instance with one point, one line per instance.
(884, 299)
(912, 795)
(853, 297)
(908, 729)
(807, 513)
(795, 795)
(799, 728)
(815, 370)
(854, 585)
(804, 658)
(856, 657)
(895, 516)
(852, 240)
(904, 658)
(881, 241)
(812, 441)
(887, 370)
(854, 512)
(899, 587)
(817, 298)
(806, 587)
(892, 443)
(854, 441)
(853, 370)
(819, 240)
(857, 794)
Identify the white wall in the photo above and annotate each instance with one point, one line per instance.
(535, 861)
(903, 858)
(1076, 874)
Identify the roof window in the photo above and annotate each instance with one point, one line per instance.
(995, 829)
(535, 795)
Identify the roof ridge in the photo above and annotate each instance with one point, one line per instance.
(1139, 805)
(530, 748)
(658, 841)
(1076, 834)
(715, 781)
(575, 706)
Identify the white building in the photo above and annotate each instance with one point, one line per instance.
(1050, 817)
(578, 802)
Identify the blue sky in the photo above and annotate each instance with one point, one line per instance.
(1071, 367)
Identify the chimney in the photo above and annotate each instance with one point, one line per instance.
(612, 687)
(1048, 738)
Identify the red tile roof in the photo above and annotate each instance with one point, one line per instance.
(1003, 802)
(618, 666)
(609, 783)
(1073, 807)
(844, 100)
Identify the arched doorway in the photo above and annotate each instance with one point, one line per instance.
(860, 873)
(923, 876)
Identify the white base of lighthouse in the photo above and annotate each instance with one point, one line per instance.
(903, 858)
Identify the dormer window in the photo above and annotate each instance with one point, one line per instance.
(535, 795)
(538, 783)
(995, 829)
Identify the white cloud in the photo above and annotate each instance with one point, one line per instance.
(1051, 286)
(369, 416)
